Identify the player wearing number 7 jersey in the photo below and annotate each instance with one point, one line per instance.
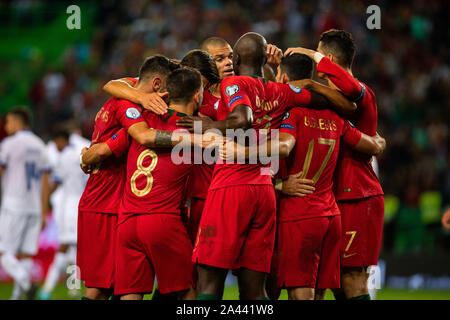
(310, 226)
(357, 189)
(237, 228)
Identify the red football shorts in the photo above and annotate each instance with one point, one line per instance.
(96, 248)
(195, 213)
(309, 253)
(276, 253)
(362, 230)
(149, 245)
(237, 228)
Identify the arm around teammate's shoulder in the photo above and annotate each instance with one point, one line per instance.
(322, 96)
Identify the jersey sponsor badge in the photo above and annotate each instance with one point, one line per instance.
(133, 113)
(295, 88)
(114, 137)
(232, 90)
(287, 126)
(234, 99)
(286, 116)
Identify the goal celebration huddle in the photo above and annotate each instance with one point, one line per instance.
(156, 208)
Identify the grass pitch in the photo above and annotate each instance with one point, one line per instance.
(232, 293)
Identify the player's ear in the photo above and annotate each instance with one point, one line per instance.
(284, 78)
(236, 59)
(156, 84)
(196, 97)
(331, 57)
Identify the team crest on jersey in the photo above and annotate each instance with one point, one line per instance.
(232, 90)
(133, 113)
(216, 105)
(295, 88)
(286, 116)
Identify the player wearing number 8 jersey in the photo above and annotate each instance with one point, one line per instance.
(151, 237)
(102, 196)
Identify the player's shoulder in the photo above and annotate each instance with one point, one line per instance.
(116, 102)
(153, 120)
(293, 113)
(366, 92)
(233, 84)
(7, 141)
(28, 136)
(278, 87)
(209, 99)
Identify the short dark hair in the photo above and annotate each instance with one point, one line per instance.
(182, 84)
(60, 134)
(340, 43)
(204, 63)
(297, 66)
(23, 114)
(156, 65)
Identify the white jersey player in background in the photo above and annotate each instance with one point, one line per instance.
(24, 172)
(70, 181)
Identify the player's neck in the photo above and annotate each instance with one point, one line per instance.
(250, 71)
(215, 90)
(187, 109)
(19, 130)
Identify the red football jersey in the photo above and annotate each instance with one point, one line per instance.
(104, 188)
(355, 177)
(268, 101)
(317, 134)
(154, 183)
(201, 174)
(210, 105)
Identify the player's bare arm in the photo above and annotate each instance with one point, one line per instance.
(240, 117)
(45, 197)
(297, 186)
(125, 89)
(308, 52)
(231, 150)
(95, 154)
(446, 219)
(274, 55)
(152, 138)
(341, 78)
(325, 96)
(371, 145)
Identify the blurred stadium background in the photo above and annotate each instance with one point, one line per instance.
(59, 74)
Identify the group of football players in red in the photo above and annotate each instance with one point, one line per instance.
(154, 205)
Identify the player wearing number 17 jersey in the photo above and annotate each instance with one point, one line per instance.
(237, 228)
(310, 226)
